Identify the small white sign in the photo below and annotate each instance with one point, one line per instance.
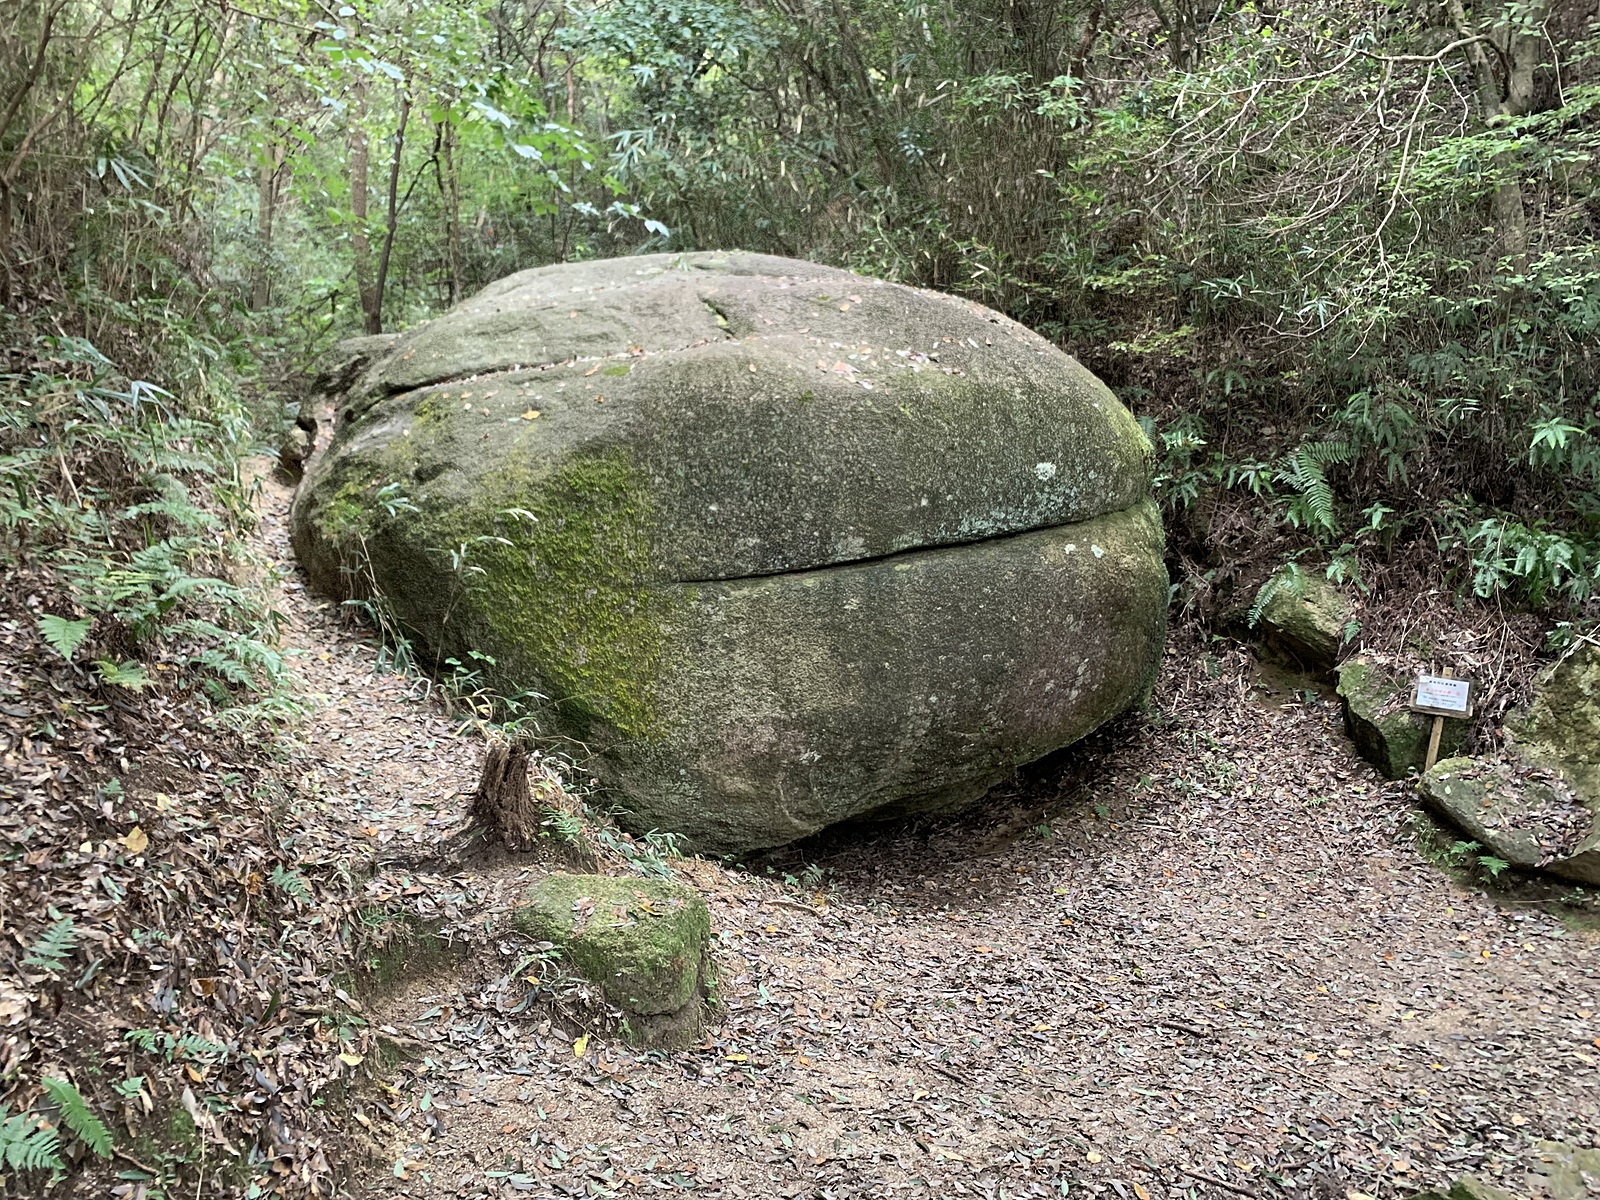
(1447, 695)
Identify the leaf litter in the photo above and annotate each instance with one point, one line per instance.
(1202, 953)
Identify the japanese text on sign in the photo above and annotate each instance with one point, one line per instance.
(1448, 695)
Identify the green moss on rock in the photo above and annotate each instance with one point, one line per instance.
(642, 941)
(1521, 820)
(1560, 729)
(1467, 1187)
(1303, 620)
(1387, 733)
(434, 409)
(565, 586)
(347, 513)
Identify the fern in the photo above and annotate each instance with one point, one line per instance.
(63, 635)
(1306, 470)
(1290, 581)
(1492, 865)
(203, 1048)
(129, 1088)
(27, 1146)
(188, 1045)
(148, 1040)
(128, 674)
(292, 883)
(564, 825)
(78, 1117)
(54, 947)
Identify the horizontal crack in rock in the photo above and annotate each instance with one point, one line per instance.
(522, 368)
(909, 551)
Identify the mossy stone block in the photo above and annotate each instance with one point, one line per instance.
(1386, 732)
(1513, 817)
(1563, 1171)
(642, 941)
(1560, 728)
(1467, 1187)
(1303, 621)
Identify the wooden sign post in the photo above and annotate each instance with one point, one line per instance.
(1441, 696)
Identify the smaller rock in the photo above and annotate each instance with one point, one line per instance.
(1560, 728)
(643, 941)
(1516, 816)
(1387, 733)
(297, 446)
(1564, 1172)
(1303, 620)
(1468, 1187)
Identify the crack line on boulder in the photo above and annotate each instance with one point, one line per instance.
(521, 368)
(912, 551)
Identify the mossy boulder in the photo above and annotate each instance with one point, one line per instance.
(1558, 733)
(1560, 727)
(1378, 720)
(1563, 1171)
(781, 544)
(1522, 815)
(1302, 620)
(642, 941)
(1467, 1187)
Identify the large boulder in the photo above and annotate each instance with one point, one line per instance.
(781, 544)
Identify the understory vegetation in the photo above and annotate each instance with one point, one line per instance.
(1342, 260)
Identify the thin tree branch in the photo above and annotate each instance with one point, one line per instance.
(34, 72)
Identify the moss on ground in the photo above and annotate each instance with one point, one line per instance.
(405, 946)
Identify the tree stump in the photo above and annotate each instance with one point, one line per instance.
(503, 801)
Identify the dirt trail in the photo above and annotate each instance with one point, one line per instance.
(387, 756)
(1204, 948)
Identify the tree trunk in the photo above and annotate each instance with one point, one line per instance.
(360, 247)
(1178, 19)
(267, 189)
(444, 170)
(1522, 57)
(503, 801)
(391, 216)
(9, 170)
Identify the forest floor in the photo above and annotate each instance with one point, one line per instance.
(1206, 953)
